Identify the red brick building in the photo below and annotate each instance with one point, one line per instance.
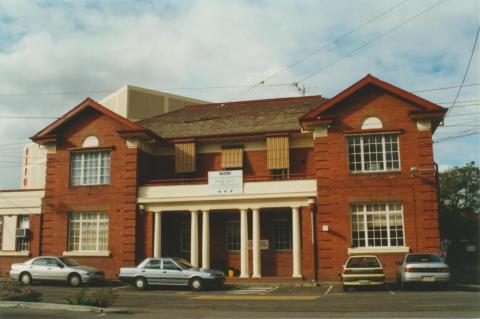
(281, 187)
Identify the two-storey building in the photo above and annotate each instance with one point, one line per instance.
(285, 187)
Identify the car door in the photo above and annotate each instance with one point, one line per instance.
(152, 272)
(56, 270)
(38, 269)
(172, 274)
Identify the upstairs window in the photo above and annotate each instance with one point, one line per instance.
(184, 158)
(373, 153)
(90, 168)
(232, 156)
(278, 153)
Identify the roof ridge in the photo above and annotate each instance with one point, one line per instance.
(299, 98)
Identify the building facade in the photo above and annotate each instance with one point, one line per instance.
(270, 188)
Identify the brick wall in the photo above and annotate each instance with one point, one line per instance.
(337, 188)
(117, 199)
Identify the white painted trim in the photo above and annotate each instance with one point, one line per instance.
(87, 253)
(378, 250)
(15, 253)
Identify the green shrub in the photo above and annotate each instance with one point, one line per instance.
(104, 297)
(16, 291)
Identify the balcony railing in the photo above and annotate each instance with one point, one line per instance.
(204, 180)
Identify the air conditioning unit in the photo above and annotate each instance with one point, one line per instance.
(21, 232)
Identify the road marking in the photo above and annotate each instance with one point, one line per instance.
(272, 290)
(328, 290)
(121, 287)
(250, 291)
(262, 298)
(391, 292)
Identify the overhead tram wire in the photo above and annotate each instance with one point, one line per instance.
(262, 83)
(465, 75)
(369, 42)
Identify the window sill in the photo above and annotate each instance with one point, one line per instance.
(378, 250)
(14, 253)
(380, 173)
(87, 253)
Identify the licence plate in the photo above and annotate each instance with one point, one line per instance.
(428, 279)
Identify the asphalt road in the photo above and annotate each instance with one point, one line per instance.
(277, 302)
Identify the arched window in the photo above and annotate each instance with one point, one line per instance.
(91, 141)
(371, 123)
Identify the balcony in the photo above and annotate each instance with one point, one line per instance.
(292, 190)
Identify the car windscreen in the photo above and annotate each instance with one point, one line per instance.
(183, 263)
(69, 262)
(423, 258)
(363, 262)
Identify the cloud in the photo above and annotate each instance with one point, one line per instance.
(91, 46)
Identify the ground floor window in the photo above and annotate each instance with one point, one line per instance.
(88, 232)
(377, 225)
(22, 238)
(281, 234)
(233, 235)
(185, 234)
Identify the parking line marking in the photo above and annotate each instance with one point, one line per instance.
(388, 289)
(271, 290)
(328, 290)
(263, 298)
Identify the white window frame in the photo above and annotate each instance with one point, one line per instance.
(101, 217)
(23, 244)
(99, 178)
(288, 229)
(228, 237)
(388, 212)
(384, 153)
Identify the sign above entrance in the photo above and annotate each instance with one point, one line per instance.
(225, 182)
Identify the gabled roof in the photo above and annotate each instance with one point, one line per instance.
(48, 133)
(432, 109)
(234, 118)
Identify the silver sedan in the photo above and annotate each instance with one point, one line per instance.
(55, 269)
(424, 268)
(170, 272)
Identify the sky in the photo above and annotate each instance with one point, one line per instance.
(54, 54)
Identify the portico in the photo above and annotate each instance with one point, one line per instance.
(269, 219)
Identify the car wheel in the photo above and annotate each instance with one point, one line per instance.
(196, 284)
(25, 278)
(140, 283)
(75, 280)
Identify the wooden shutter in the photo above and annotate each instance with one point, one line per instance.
(184, 157)
(278, 152)
(232, 156)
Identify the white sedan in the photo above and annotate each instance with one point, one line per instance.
(50, 268)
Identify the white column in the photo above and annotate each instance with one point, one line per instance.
(296, 251)
(205, 239)
(257, 261)
(194, 239)
(157, 235)
(243, 244)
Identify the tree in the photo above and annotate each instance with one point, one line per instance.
(459, 205)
